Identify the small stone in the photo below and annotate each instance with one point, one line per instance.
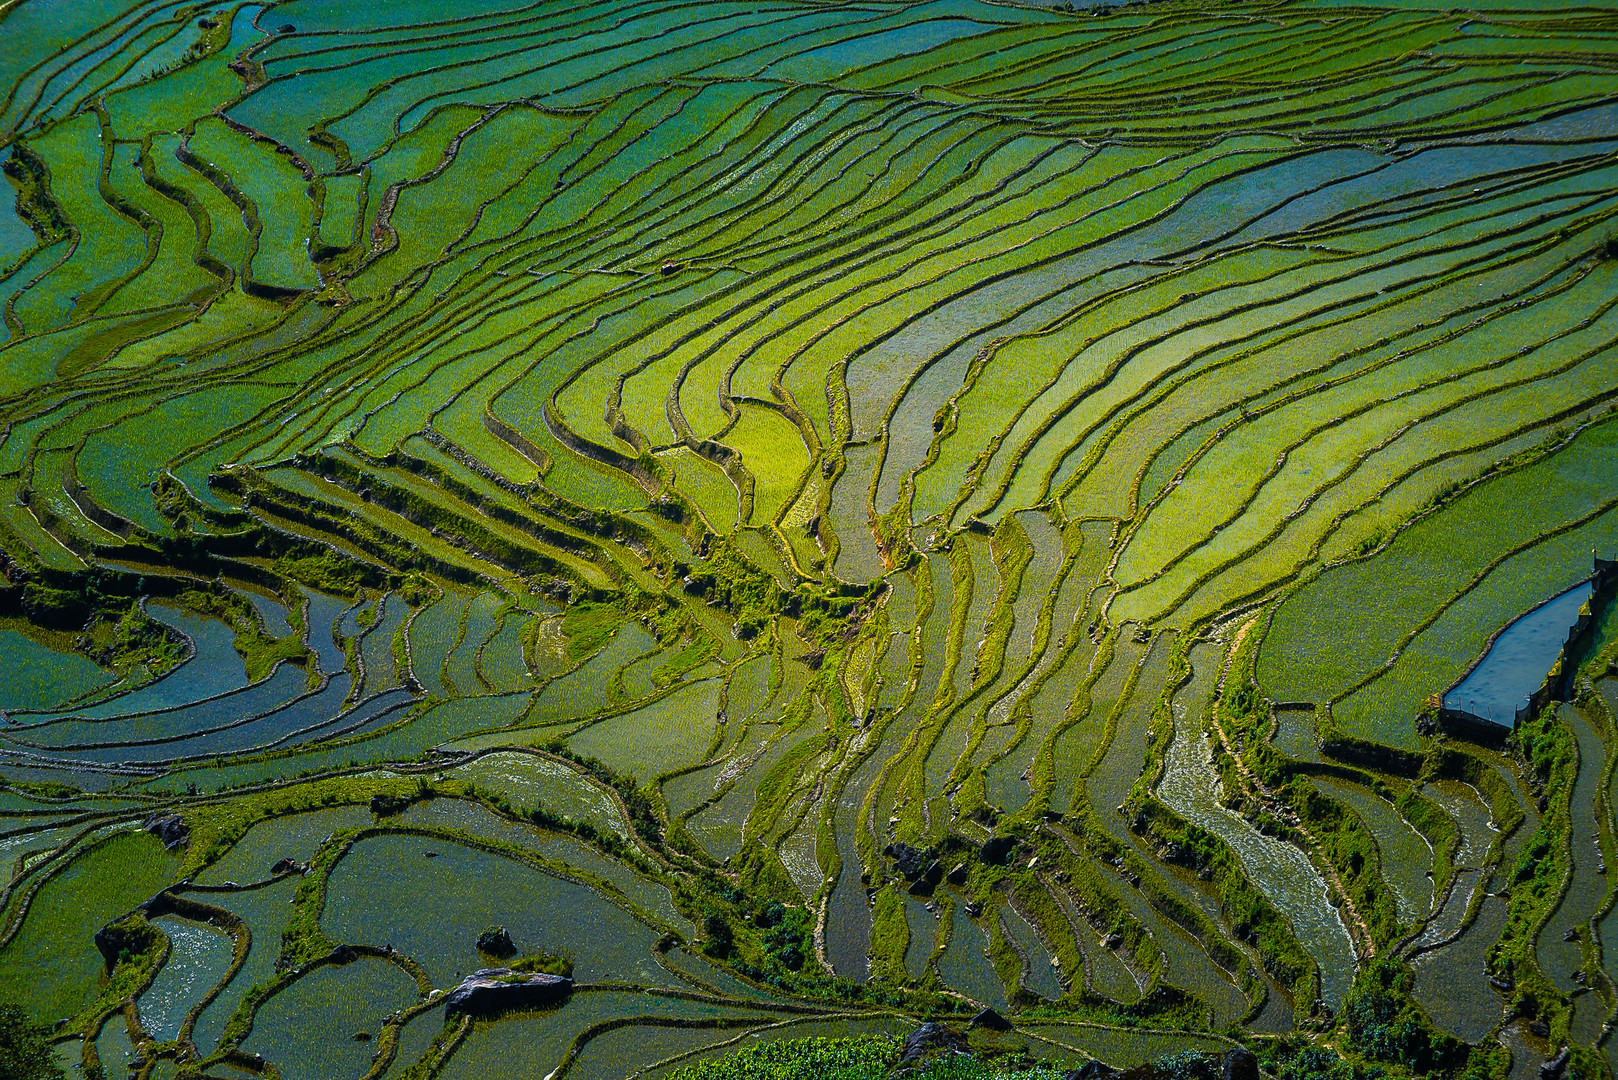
(1239, 1064)
(496, 941)
(996, 849)
(992, 1020)
(1090, 1070)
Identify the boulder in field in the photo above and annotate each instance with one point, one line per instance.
(927, 1042)
(910, 861)
(494, 990)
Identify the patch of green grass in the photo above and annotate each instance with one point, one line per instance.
(1354, 853)
(119, 641)
(329, 572)
(1536, 878)
(850, 1059)
(258, 650)
(890, 937)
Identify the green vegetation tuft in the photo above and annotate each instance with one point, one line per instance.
(25, 1047)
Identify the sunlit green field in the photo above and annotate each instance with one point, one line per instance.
(659, 477)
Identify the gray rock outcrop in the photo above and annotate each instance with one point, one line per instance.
(493, 990)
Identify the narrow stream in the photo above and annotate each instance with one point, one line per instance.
(1190, 786)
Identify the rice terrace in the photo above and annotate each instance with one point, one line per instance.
(579, 539)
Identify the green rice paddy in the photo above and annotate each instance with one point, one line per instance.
(659, 477)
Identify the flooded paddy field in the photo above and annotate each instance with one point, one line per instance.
(801, 521)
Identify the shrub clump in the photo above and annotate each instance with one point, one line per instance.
(1383, 1024)
(25, 1047)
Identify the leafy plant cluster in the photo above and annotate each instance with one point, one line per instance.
(728, 580)
(545, 964)
(327, 571)
(72, 601)
(25, 1047)
(1294, 1059)
(747, 925)
(775, 939)
(1382, 1023)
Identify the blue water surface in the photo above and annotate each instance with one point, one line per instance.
(1518, 661)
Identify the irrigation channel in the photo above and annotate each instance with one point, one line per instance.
(808, 517)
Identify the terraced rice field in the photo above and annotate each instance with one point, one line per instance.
(812, 515)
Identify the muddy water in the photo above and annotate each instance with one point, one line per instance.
(1295, 734)
(965, 965)
(848, 919)
(1039, 974)
(1451, 983)
(199, 956)
(924, 930)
